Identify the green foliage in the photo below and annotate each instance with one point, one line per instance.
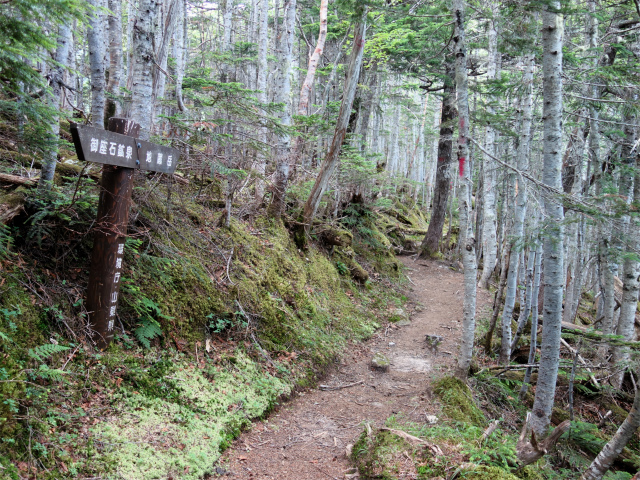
(44, 372)
(148, 330)
(74, 205)
(6, 240)
(342, 268)
(27, 35)
(43, 352)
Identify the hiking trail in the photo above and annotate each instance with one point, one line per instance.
(307, 437)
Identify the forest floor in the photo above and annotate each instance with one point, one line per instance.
(307, 437)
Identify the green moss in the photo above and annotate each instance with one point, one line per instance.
(558, 415)
(457, 401)
(176, 419)
(484, 472)
(531, 472)
(383, 456)
(22, 325)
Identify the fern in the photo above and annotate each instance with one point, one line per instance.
(42, 352)
(147, 331)
(51, 374)
(5, 241)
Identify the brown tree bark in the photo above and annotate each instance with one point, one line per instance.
(443, 172)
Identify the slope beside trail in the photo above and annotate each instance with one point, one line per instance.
(306, 438)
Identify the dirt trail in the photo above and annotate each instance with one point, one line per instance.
(307, 437)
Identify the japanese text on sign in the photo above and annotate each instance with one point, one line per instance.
(114, 295)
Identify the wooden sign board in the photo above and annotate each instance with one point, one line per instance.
(102, 146)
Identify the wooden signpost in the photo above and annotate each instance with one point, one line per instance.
(121, 153)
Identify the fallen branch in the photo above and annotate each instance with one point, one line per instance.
(413, 440)
(18, 180)
(339, 387)
(582, 361)
(604, 419)
(490, 429)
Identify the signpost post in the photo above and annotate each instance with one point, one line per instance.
(121, 153)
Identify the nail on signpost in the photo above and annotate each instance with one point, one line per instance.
(121, 153)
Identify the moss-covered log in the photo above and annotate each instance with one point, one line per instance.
(336, 237)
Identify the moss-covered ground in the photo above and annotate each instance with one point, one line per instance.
(215, 326)
(465, 413)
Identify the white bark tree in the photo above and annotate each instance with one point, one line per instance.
(307, 84)
(331, 160)
(631, 268)
(56, 76)
(612, 449)
(163, 39)
(517, 232)
(552, 37)
(96, 41)
(282, 89)
(261, 86)
(466, 217)
(143, 66)
(489, 223)
(113, 108)
(180, 46)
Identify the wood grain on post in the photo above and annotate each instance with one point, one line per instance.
(108, 243)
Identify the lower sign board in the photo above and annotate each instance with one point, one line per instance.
(102, 146)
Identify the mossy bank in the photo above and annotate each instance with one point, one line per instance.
(216, 326)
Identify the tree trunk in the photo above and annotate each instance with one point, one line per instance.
(227, 19)
(612, 449)
(466, 217)
(162, 54)
(371, 98)
(631, 270)
(525, 307)
(56, 75)
(534, 319)
(443, 170)
(282, 93)
(261, 86)
(489, 176)
(331, 160)
(497, 302)
(305, 91)
(181, 39)
(392, 160)
(517, 233)
(113, 107)
(96, 42)
(552, 33)
(530, 451)
(143, 66)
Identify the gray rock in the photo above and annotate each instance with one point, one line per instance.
(399, 315)
(380, 362)
(433, 341)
